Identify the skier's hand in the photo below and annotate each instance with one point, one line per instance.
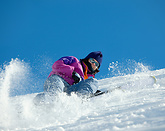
(76, 77)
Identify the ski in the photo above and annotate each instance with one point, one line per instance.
(98, 93)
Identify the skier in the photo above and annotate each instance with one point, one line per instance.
(71, 75)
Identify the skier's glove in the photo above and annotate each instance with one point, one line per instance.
(76, 77)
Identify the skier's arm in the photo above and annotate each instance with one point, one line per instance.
(63, 67)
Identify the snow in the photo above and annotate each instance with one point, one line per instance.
(140, 105)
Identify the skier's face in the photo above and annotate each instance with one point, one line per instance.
(94, 63)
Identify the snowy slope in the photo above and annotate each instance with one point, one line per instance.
(139, 106)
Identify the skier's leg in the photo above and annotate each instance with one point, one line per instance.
(54, 84)
(86, 87)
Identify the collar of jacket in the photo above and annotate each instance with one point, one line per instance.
(86, 70)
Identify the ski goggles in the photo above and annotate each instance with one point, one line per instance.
(93, 61)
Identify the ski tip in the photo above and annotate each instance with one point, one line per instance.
(154, 78)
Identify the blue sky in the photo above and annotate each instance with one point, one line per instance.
(121, 29)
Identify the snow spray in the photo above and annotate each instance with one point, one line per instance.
(127, 67)
(18, 87)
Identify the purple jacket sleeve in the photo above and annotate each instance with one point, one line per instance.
(65, 66)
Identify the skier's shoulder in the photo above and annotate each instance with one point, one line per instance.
(69, 59)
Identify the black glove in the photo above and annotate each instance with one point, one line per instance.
(76, 77)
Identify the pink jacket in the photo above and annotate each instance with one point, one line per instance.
(65, 66)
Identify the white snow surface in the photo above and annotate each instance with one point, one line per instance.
(140, 105)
